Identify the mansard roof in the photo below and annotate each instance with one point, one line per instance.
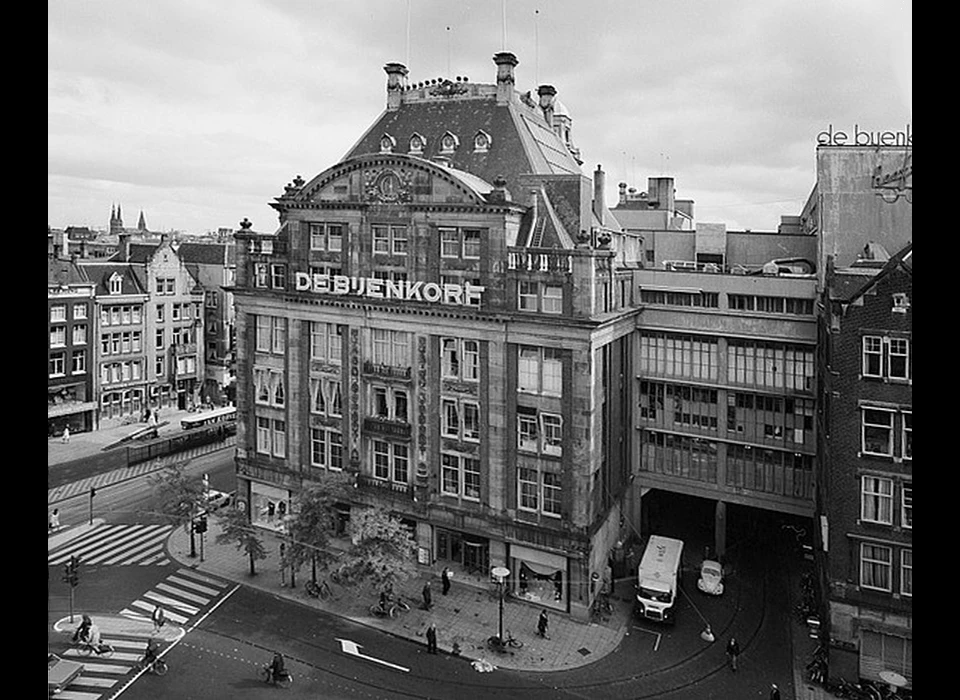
(521, 140)
(100, 274)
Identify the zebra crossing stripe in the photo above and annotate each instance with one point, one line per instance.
(173, 578)
(163, 600)
(200, 577)
(171, 616)
(182, 594)
(76, 695)
(109, 544)
(83, 680)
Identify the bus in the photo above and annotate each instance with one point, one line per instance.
(217, 416)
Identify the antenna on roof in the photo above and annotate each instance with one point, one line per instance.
(448, 53)
(503, 25)
(408, 33)
(536, 41)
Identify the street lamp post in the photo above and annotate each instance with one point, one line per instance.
(500, 573)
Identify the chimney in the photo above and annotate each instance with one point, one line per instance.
(125, 247)
(396, 81)
(533, 208)
(548, 94)
(506, 62)
(599, 178)
(623, 193)
(83, 248)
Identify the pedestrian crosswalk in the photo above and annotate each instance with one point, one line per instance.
(117, 545)
(182, 596)
(185, 596)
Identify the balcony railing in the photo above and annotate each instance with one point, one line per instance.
(387, 428)
(384, 486)
(539, 260)
(387, 371)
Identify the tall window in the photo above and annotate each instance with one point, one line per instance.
(389, 403)
(539, 432)
(886, 357)
(325, 342)
(391, 461)
(460, 359)
(326, 237)
(261, 274)
(537, 296)
(907, 437)
(391, 348)
(460, 243)
(57, 364)
(325, 397)
(877, 431)
(876, 500)
(906, 572)
(769, 365)
(326, 448)
(58, 312)
(875, 566)
(460, 419)
(80, 311)
(551, 493)
(389, 239)
(460, 476)
(539, 371)
(693, 357)
(278, 276)
(263, 435)
(279, 438)
(269, 387)
(80, 334)
(79, 362)
(906, 506)
(58, 336)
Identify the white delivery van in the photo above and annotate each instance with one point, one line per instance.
(657, 579)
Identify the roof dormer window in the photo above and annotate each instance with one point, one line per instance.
(417, 144)
(481, 142)
(449, 143)
(387, 143)
(116, 283)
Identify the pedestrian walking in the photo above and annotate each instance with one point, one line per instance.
(445, 577)
(158, 619)
(733, 651)
(427, 596)
(774, 692)
(432, 638)
(542, 623)
(55, 520)
(66, 434)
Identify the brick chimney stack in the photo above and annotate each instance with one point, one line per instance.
(599, 183)
(396, 82)
(548, 95)
(506, 62)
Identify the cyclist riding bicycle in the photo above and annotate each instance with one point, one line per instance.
(276, 666)
(83, 631)
(150, 653)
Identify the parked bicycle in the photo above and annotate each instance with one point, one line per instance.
(319, 590)
(86, 648)
(389, 606)
(505, 644)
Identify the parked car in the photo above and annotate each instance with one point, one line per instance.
(217, 500)
(711, 577)
(61, 673)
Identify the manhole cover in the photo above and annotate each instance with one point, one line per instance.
(583, 651)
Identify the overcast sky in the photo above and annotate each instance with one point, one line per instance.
(198, 113)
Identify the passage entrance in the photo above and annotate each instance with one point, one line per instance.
(470, 551)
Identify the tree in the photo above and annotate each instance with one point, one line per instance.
(314, 521)
(383, 552)
(180, 498)
(235, 527)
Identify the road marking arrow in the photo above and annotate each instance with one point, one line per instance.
(352, 648)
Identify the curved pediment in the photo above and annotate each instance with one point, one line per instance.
(393, 179)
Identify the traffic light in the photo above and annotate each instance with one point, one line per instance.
(71, 571)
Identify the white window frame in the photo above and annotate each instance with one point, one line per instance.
(278, 335)
(876, 500)
(906, 505)
(328, 445)
(263, 435)
(527, 293)
(905, 355)
(261, 275)
(278, 430)
(58, 337)
(326, 342)
(449, 236)
(391, 457)
(528, 489)
(556, 492)
(552, 303)
(80, 312)
(78, 362)
(906, 434)
(58, 360)
(58, 313)
(457, 467)
(906, 566)
(80, 334)
(278, 276)
(865, 425)
(551, 434)
(865, 562)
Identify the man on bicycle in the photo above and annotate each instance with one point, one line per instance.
(83, 631)
(150, 653)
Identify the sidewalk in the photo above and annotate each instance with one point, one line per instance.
(467, 615)
(90, 443)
